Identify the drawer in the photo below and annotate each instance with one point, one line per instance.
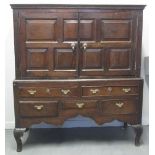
(109, 90)
(119, 106)
(79, 104)
(48, 91)
(38, 108)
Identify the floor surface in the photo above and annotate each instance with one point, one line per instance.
(79, 141)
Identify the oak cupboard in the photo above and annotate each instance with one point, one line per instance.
(77, 60)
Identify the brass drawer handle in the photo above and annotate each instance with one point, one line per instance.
(80, 105)
(65, 91)
(31, 92)
(38, 107)
(126, 90)
(94, 91)
(119, 104)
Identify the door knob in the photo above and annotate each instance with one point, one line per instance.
(84, 46)
(73, 45)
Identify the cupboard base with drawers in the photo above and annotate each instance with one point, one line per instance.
(75, 60)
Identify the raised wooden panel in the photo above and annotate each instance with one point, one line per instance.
(119, 59)
(37, 59)
(70, 30)
(40, 30)
(119, 30)
(92, 59)
(64, 59)
(87, 30)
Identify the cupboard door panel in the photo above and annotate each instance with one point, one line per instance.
(64, 59)
(113, 33)
(41, 30)
(48, 44)
(116, 30)
(119, 61)
(70, 30)
(87, 30)
(92, 59)
(37, 59)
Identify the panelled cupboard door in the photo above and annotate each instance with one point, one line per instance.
(77, 43)
(48, 44)
(107, 43)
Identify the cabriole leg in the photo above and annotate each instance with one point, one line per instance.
(138, 130)
(18, 133)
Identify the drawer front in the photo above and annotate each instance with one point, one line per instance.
(119, 106)
(38, 108)
(79, 104)
(48, 92)
(109, 90)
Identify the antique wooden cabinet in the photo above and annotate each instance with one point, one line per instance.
(77, 60)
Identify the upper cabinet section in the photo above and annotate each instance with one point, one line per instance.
(73, 41)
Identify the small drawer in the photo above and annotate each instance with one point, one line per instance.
(119, 106)
(79, 104)
(109, 90)
(38, 108)
(48, 92)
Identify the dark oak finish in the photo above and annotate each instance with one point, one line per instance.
(77, 60)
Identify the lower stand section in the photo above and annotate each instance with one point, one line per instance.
(18, 133)
(138, 130)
